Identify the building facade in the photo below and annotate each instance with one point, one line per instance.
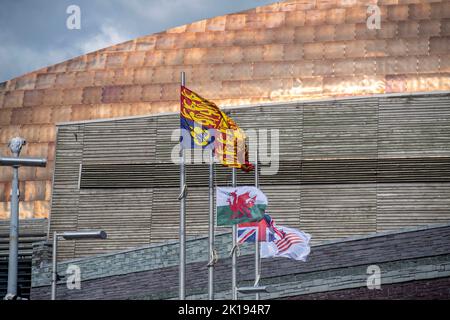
(343, 168)
(361, 114)
(288, 51)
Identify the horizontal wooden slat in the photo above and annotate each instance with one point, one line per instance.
(162, 175)
(30, 231)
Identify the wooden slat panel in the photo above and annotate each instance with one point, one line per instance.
(26, 226)
(335, 211)
(284, 204)
(401, 205)
(30, 230)
(165, 217)
(414, 127)
(166, 209)
(426, 169)
(338, 171)
(286, 119)
(164, 129)
(342, 130)
(124, 214)
(293, 172)
(64, 211)
(122, 141)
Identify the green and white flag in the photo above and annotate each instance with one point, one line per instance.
(240, 204)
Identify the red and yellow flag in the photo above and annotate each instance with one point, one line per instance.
(200, 117)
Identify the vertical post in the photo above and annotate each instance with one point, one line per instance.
(234, 256)
(54, 264)
(257, 257)
(182, 235)
(15, 145)
(211, 227)
(14, 234)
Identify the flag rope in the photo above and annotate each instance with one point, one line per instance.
(257, 280)
(214, 258)
(183, 193)
(236, 248)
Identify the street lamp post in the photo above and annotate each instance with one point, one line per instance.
(255, 290)
(15, 145)
(70, 235)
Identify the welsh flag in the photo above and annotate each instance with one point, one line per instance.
(240, 204)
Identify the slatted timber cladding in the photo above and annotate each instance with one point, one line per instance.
(164, 144)
(287, 127)
(125, 141)
(30, 231)
(401, 205)
(127, 217)
(288, 123)
(65, 196)
(285, 203)
(346, 167)
(340, 130)
(414, 127)
(331, 211)
(165, 220)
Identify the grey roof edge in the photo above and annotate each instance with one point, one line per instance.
(385, 233)
(328, 242)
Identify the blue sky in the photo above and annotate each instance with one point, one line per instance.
(33, 34)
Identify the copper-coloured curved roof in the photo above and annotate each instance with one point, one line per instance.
(286, 51)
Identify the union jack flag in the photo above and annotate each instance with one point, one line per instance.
(265, 229)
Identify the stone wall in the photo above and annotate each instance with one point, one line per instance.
(415, 259)
(421, 289)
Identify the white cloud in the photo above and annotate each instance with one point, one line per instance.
(40, 38)
(107, 36)
(17, 59)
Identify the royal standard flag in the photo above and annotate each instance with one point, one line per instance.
(199, 119)
(204, 125)
(239, 205)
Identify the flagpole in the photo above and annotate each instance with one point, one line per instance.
(257, 256)
(234, 256)
(182, 231)
(211, 228)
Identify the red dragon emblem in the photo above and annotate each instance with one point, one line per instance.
(240, 205)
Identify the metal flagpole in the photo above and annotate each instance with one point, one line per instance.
(14, 227)
(182, 235)
(257, 257)
(234, 256)
(15, 145)
(211, 228)
(54, 265)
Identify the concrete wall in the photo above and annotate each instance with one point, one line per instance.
(414, 259)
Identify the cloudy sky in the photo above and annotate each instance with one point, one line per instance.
(33, 34)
